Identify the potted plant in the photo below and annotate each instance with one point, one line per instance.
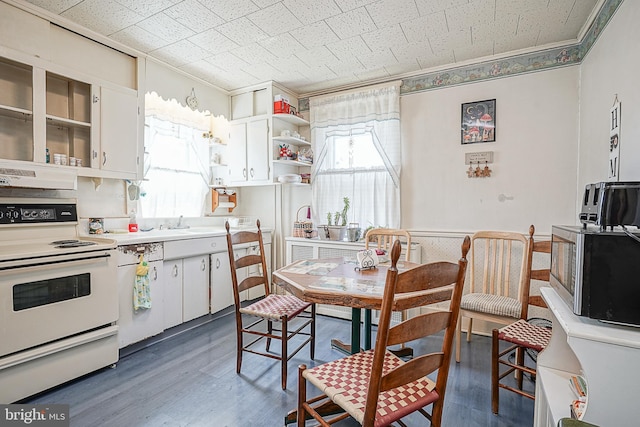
(338, 231)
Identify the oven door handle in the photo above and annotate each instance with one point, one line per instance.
(30, 264)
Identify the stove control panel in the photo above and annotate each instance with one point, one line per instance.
(30, 213)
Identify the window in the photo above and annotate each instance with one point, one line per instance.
(355, 151)
(176, 160)
(357, 136)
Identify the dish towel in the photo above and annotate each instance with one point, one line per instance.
(141, 287)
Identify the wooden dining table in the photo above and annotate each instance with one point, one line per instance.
(337, 281)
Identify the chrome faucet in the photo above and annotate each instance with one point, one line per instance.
(180, 225)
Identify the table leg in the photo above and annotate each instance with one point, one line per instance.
(355, 335)
(367, 329)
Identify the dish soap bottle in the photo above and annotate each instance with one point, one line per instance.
(133, 224)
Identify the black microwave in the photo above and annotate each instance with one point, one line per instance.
(597, 272)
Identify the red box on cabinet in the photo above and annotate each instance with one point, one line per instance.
(280, 107)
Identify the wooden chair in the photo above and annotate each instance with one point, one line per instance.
(495, 254)
(384, 238)
(375, 387)
(521, 335)
(272, 308)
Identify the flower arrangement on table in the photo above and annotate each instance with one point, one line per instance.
(285, 152)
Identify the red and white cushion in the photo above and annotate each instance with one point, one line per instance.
(526, 335)
(275, 306)
(346, 382)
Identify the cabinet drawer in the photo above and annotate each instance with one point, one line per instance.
(191, 247)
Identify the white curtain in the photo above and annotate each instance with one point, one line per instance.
(176, 160)
(370, 116)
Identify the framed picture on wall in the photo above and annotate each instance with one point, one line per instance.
(478, 122)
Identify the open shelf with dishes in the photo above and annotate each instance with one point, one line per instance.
(292, 155)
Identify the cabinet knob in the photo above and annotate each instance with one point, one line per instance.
(155, 273)
(217, 263)
(104, 158)
(175, 270)
(244, 172)
(203, 265)
(251, 172)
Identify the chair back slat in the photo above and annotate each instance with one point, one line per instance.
(419, 326)
(420, 279)
(250, 282)
(248, 261)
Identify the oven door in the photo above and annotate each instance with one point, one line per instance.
(45, 300)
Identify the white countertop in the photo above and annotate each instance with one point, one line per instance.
(169, 234)
(590, 329)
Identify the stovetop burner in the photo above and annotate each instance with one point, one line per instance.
(71, 243)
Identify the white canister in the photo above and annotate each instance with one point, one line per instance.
(72, 161)
(63, 159)
(79, 162)
(57, 159)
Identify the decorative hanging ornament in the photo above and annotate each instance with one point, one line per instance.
(192, 101)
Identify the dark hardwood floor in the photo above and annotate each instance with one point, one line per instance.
(190, 380)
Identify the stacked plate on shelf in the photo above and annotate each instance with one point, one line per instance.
(290, 178)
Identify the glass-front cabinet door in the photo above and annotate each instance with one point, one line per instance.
(69, 119)
(16, 111)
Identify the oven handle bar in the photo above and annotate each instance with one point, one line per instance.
(31, 264)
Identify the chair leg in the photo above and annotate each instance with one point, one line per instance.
(269, 331)
(458, 336)
(519, 362)
(494, 371)
(284, 354)
(240, 348)
(302, 396)
(312, 349)
(469, 329)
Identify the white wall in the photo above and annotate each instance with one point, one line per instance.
(172, 84)
(610, 68)
(534, 156)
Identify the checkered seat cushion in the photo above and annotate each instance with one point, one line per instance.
(526, 335)
(492, 304)
(345, 381)
(275, 306)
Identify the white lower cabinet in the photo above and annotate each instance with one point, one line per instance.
(186, 294)
(172, 293)
(221, 283)
(137, 325)
(195, 287)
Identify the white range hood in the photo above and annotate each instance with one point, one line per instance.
(38, 176)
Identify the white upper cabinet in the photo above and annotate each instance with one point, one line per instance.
(248, 152)
(118, 151)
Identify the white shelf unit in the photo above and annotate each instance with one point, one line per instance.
(604, 354)
(291, 123)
